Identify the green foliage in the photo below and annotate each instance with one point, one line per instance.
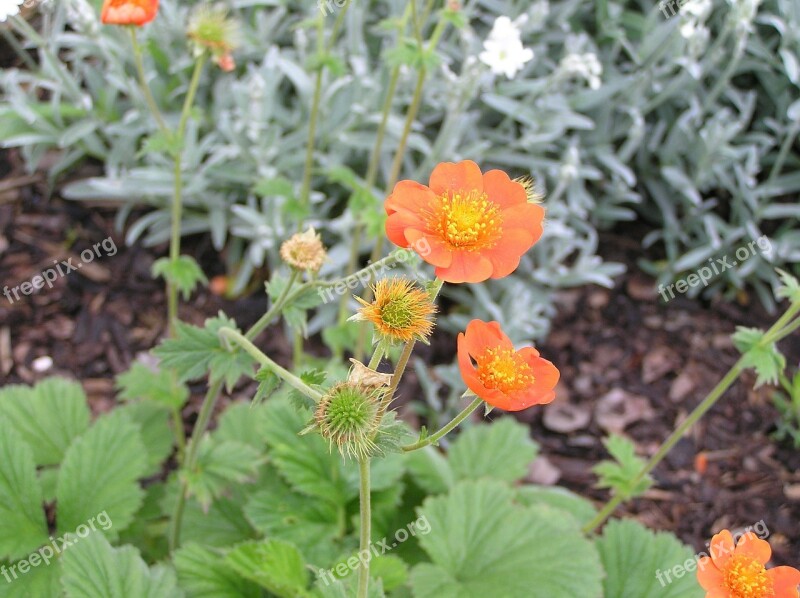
(787, 401)
(48, 416)
(558, 498)
(633, 556)
(275, 565)
(160, 386)
(109, 459)
(620, 474)
(481, 544)
(22, 522)
(93, 568)
(511, 453)
(202, 573)
(766, 359)
(183, 272)
(196, 351)
(219, 465)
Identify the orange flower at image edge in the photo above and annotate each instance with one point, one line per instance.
(128, 12)
(739, 571)
(470, 226)
(504, 378)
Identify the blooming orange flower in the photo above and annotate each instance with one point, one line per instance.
(738, 571)
(504, 378)
(472, 226)
(128, 12)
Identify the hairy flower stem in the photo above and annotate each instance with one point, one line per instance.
(177, 197)
(408, 349)
(434, 438)
(203, 419)
(778, 331)
(365, 525)
(265, 320)
(148, 94)
(231, 335)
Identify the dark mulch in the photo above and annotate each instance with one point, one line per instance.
(628, 362)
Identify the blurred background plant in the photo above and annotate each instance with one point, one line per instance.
(685, 122)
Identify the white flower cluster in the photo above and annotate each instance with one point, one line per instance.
(82, 17)
(693, 17)
(9, 8)
(503, 49)
(585, 66)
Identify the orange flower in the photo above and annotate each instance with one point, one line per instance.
(128, 12)
(739, 571)
(470, 226)
(504, 378)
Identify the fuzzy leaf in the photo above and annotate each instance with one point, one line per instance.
(633, 556)
(99, 474)
(204, 574)
(183, 272)
(481, 544)
(48, 416)
(22, 522)
(162, 387)
(502, 450)
(620, 473)
(767, 360)
(220, 464)
(275, 565)
(93, 568)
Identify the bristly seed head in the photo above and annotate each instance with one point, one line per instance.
(304, 251)
(348, 417)
(401, 311)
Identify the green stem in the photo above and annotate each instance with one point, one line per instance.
(773, 335)
(180, 434)
(786, 147)
(452, 424)
(265, 320)
(366, 522)
(305, 190)
(177, 197)
(203, 419)
(237, 337)
(148, 94)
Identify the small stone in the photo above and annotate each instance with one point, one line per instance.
(42, 364)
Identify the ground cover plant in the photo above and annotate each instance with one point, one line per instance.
(371, 231)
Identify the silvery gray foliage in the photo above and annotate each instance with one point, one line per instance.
(677, 120)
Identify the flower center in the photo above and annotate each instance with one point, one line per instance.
(467, 220)
(746, 578)
(398, 313)
(504, 370)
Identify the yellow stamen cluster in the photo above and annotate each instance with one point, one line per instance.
(504, 369)
(467, 220)
(304, 251)
(746, 578)
(400, 311)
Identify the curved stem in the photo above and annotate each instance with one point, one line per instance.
(365, 525)
(265, 320)
(203, 419)
(237, 337)
(783, 153)
(148, 94)
(773, 335)
(447, 428)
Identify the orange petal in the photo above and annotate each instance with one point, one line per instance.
(528, 216)
(502, 190)
(523, 399)
(708, 576)
(752, 546)
(784, 581)
(545, 373)
(470, 375)
(466, 267)
(396, 225)
(411, 196)
(463, 176)
(482, 335)
(505, 256)
(431, 249)
(721, 548)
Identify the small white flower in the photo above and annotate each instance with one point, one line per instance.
(503, 50)
(697, 9)
(586, 66)
(9, 8)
